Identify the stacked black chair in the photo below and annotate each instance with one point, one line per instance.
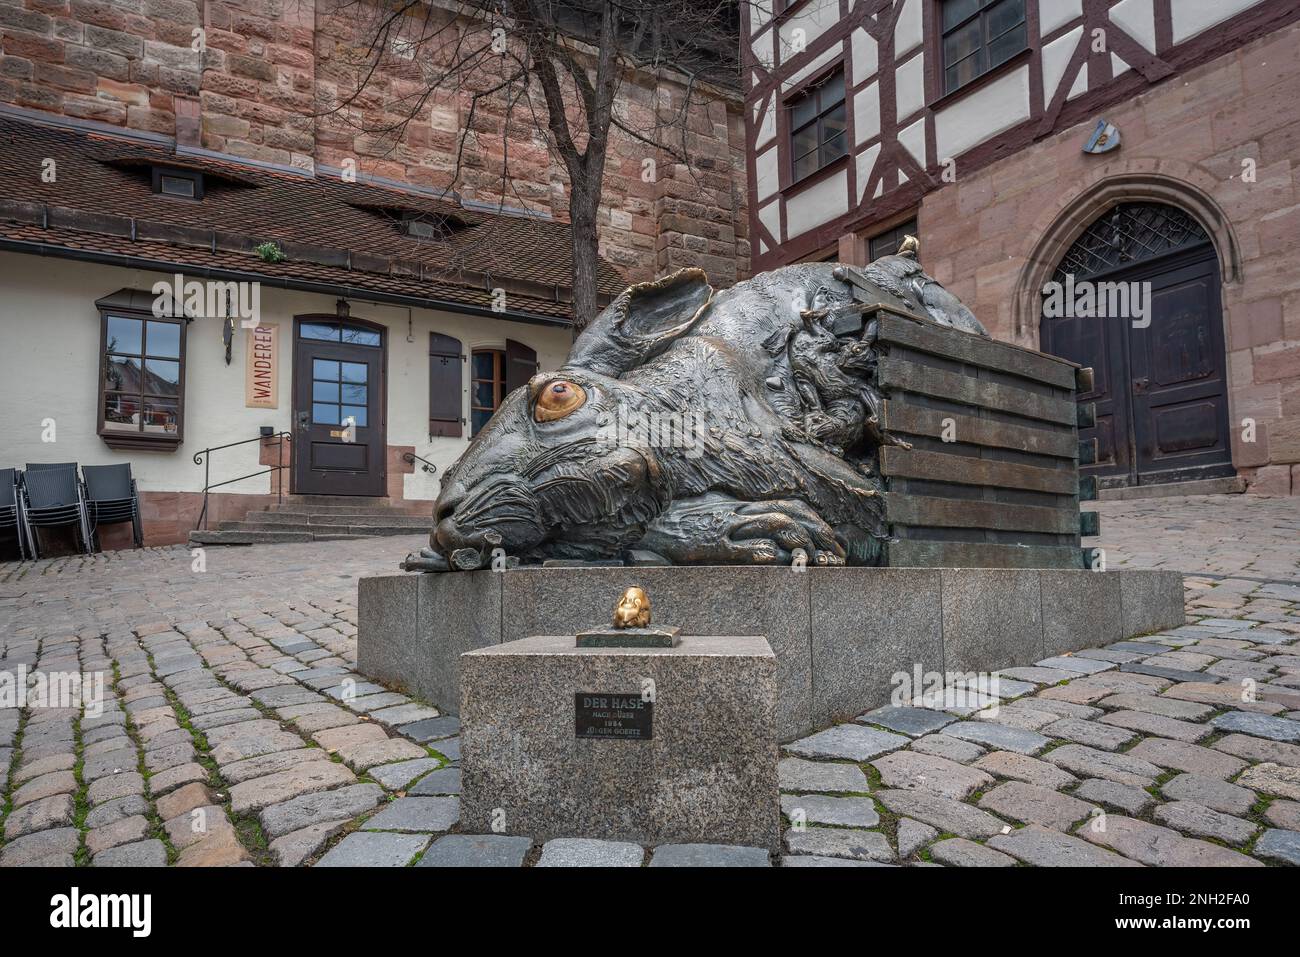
(52, 497)
(111, 499)
(11, 513)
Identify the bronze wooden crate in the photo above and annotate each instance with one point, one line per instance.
(1005, 491)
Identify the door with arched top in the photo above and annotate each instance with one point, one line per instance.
(1159, 364)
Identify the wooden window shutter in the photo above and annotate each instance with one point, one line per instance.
(445, 387)
(521, 365)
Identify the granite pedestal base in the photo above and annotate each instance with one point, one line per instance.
(839, 634)
(561, 741)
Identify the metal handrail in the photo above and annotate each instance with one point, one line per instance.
(427, 466)
(203, 456)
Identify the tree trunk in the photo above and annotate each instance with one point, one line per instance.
(583, 209)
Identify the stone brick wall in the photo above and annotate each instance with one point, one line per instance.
(1184, 142)
(270, 67)
(120, 63)
(257, 92)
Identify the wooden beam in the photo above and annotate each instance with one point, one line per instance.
(905, 508)
(932, 338)
(893, 373)
(966, 470)
(902, 417)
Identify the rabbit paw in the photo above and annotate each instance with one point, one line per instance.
(717, 529)
(791, 524)
(759, 551)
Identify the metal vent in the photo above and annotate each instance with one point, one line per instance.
(1129, 233)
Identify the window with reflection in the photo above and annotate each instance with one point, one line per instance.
(142, 380)
(339, 392)
(487, 386)
(979, 35)
(344, 332)
(817, 126)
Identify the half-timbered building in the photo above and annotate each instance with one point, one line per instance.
(1146, 143)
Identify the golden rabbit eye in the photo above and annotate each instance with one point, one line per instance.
(557, 399)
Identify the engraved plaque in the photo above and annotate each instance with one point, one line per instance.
(622, 716)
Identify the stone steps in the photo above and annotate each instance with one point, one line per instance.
(333, 501)
(305, 528)
(316, 518)
(236, 537)
(1231, 485)
(345, 517)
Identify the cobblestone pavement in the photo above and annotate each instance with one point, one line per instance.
(234, 731)
(1244, 535)
(1176, 749)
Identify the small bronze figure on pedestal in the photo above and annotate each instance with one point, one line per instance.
(633, 609)
(631, 627)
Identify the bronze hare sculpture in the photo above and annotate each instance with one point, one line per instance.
(694, 427)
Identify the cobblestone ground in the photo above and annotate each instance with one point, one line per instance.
(234, 730)
(1240, 535)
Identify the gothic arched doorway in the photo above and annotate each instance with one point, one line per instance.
(1160, 369)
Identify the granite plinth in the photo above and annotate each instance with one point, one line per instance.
(839, 634)
(701, 766)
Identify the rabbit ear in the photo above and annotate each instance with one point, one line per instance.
(641, 322)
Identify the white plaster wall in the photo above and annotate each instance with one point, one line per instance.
(817, 204)
(1056, 57)
(50, 369)
(1137, 18)
(908, 31)
(913, 140)
(1080, 83)
(813, 20)
(866, 112)
(1057, 13)
(982, 115)
(865, 55)
(1196, 16)
(766, 181)
(767, 126)
(866, 161)
(909, 86)
(770, 217)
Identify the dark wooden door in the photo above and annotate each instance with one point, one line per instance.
(1180, 395)
(339, 437)
(1160, 390)
(1099, 344)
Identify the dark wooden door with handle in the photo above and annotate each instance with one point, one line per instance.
(339, 434)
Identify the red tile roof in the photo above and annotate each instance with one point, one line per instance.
(333, 233)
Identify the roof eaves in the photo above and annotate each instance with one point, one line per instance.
(345, 290)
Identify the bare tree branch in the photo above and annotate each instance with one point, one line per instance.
(493, 57)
